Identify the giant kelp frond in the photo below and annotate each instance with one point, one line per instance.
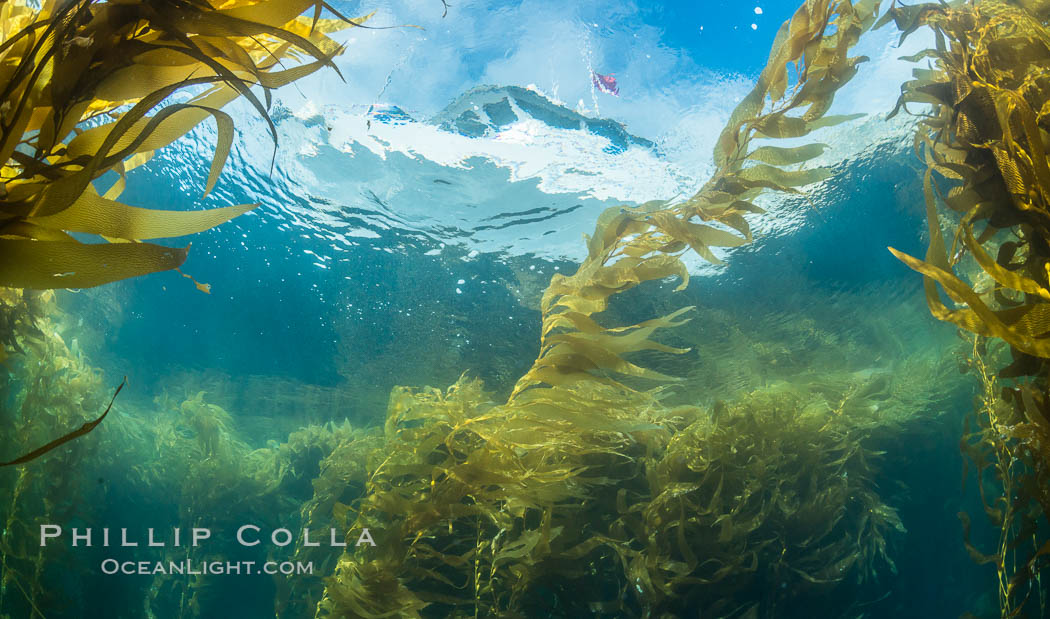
(579, 481)
(809, 62)
(985, 142)
(85, 89)
(987, 139)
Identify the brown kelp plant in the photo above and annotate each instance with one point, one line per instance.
(80, 81)
(584, 493)
(985, 140)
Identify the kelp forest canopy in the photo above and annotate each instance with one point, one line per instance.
(585, 492)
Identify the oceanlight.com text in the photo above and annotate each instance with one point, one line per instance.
(189, 567)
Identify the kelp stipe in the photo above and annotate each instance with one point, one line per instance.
(986, 137)
(78, 82)
(88, 426)
(635, 245)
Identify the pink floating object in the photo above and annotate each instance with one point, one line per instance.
(606, 83)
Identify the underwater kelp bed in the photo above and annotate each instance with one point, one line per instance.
(570, 501)
(594, 504)
(587, 491)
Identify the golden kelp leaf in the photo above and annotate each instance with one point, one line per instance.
(784, 178)
(122, 168)
(168, 126)
(1037, 145)
(227, 24)
(628, 272)
(26, 230)
(224, 140)
(1005, 277)
(737, 222)
(625, 340)
(55, 264)
(94, 214)
(776, 155)
(613, 224)
(700, 237)
(278, 14)
(276, 79)
(117, 187)
(595, 282)
(1027, 327)
(1011, 173)
(170, 55)
(781, 126)
(150, 72)
(571, 319)
(52, 196)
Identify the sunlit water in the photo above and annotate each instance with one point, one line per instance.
(453, 158)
